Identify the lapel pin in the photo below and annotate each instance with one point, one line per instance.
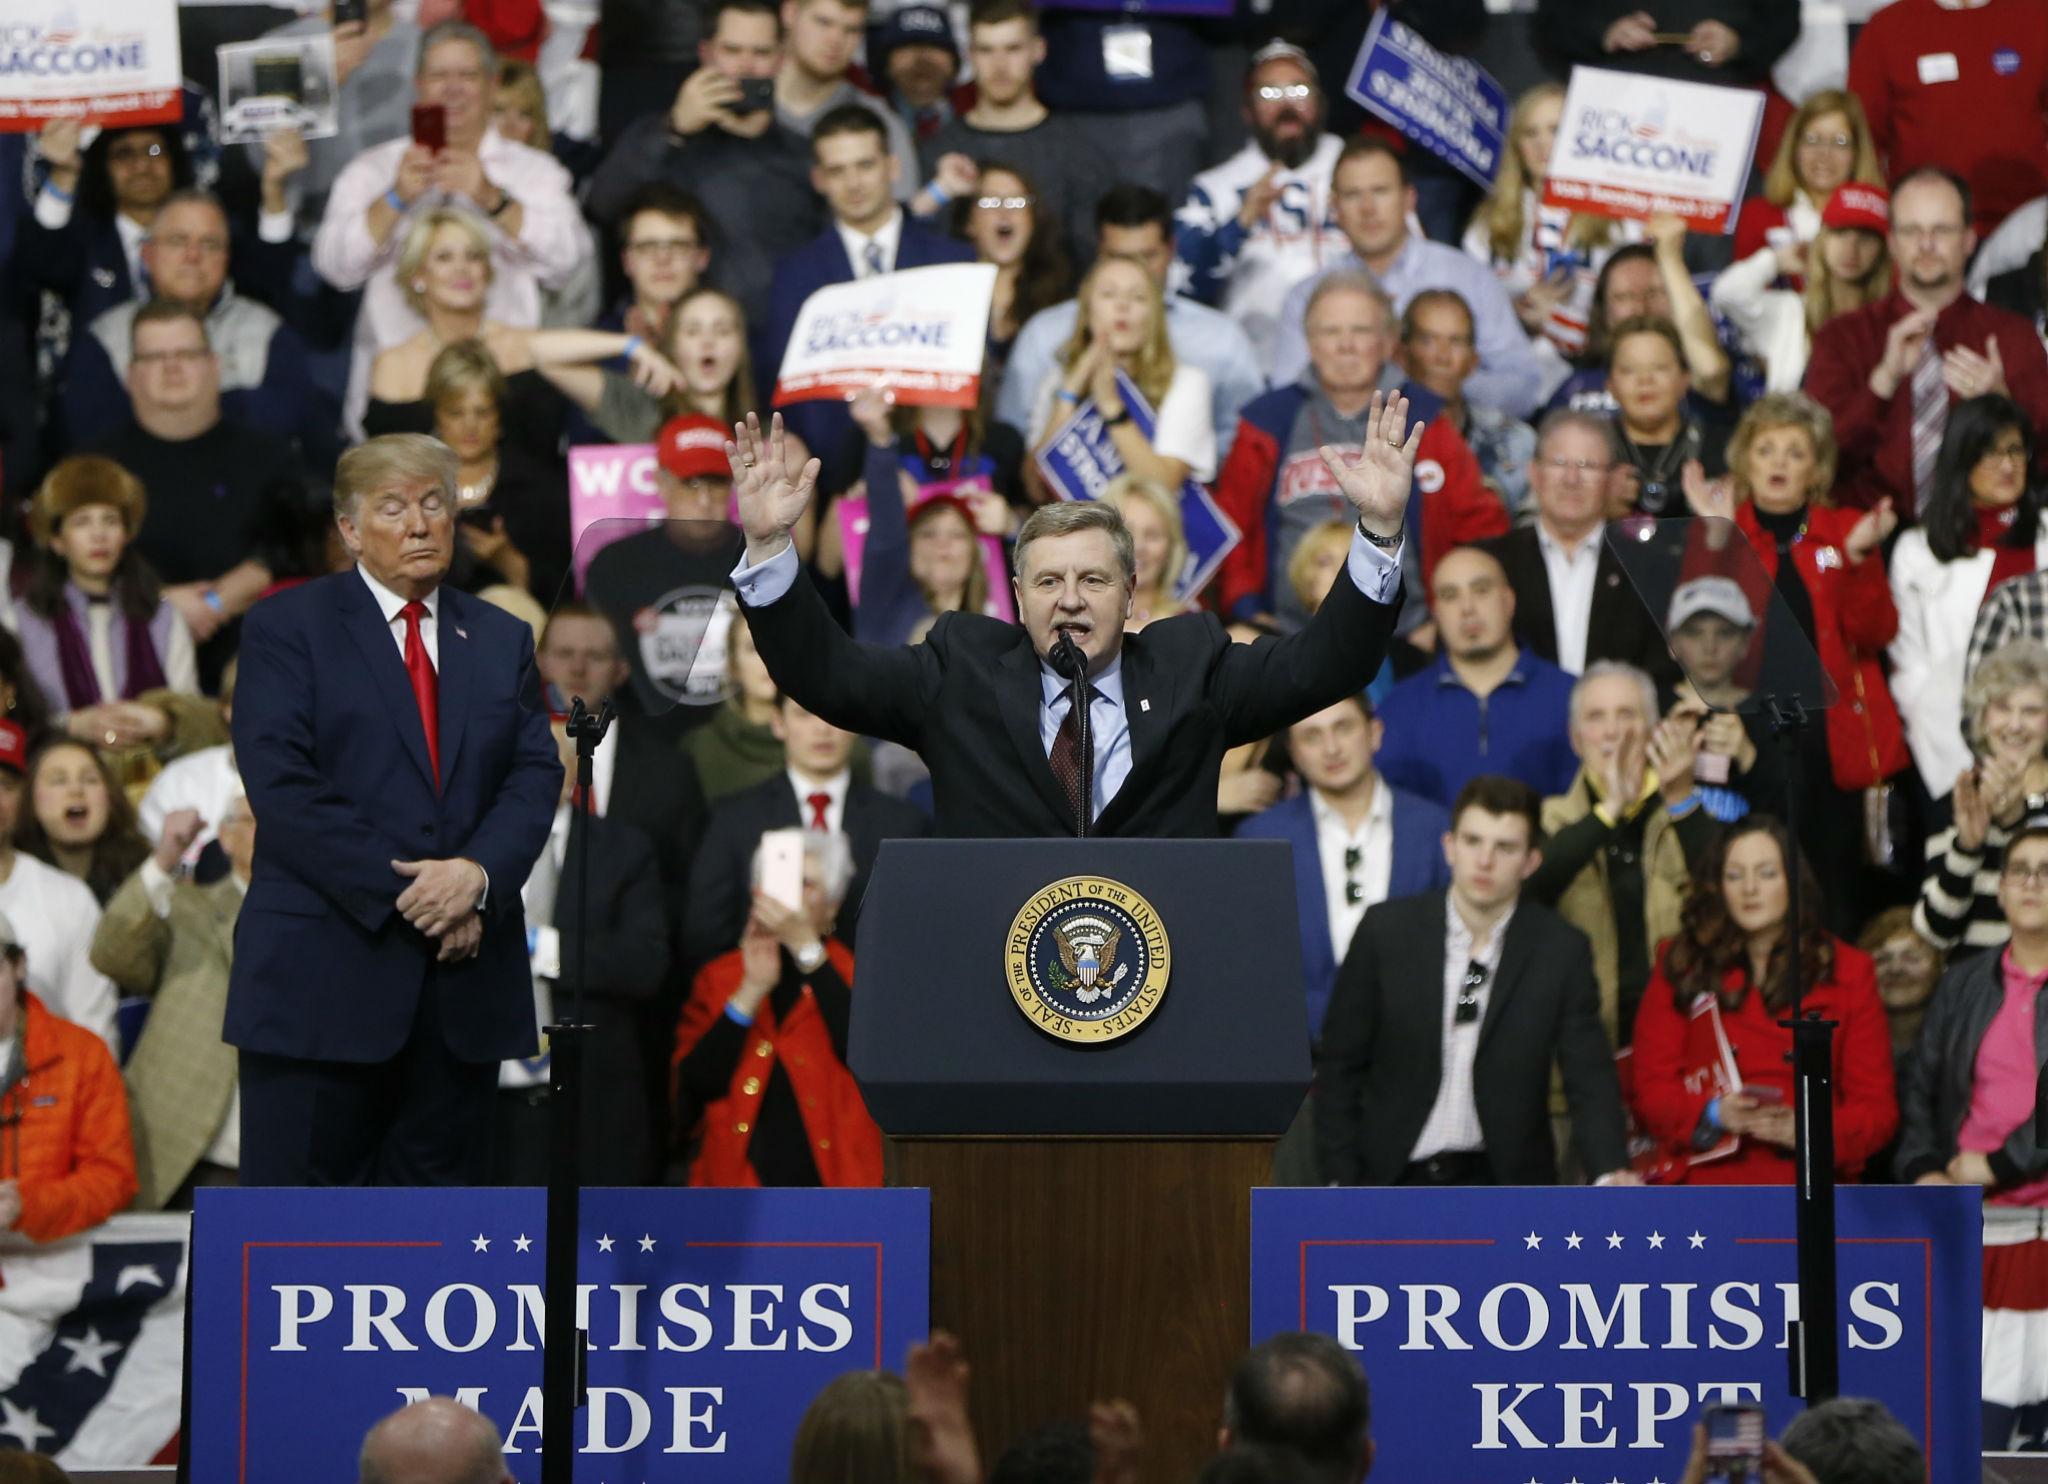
(461, 633)
(1143, 704)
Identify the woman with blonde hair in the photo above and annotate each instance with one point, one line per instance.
(1547, 258)
(1120, 339)
(1826, 145)
(1151, 513)
(511, 508)
(1847, 266)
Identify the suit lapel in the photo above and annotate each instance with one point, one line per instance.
(1613, 597)
(458, 668)
(382, 662)
(1540, 626)
(1514, 958)
(1427, 999)
(1018, 698)
(1148, 703)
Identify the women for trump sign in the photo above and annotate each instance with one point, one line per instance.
(1636, 147)
(922, 333)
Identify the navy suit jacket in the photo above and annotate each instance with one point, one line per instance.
(827, 427)
(328, 740)
(1419, 866)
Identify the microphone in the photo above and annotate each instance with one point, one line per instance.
(1066, 658)
(1071, 665)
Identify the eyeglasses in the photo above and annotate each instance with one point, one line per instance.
(1468, 993)
(1354, 889)
(2014, 451)
(659, 248)
(1005, 203)
(1577, 468)
(1293, 92)
(2028, 875)
(188, 357)
(1826, 141)
(1939, 231)
(177, 242)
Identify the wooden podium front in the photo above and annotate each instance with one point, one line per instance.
(1076, 1270)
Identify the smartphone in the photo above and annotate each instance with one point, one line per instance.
(351, 12)
(1765, 1095)
(1711, 767)
(430, 125)
(1735, 1441)
(782, 866)
(756, 95)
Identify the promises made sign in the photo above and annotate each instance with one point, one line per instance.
(1635, 147)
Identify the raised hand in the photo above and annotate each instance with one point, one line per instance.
(943, 1447)
(1376, 482)
(772, 495)
(1118, 1438)
(1706, 497)
(1972, 813)
(1869, 533)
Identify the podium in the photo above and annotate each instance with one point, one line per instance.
(1091, 1199)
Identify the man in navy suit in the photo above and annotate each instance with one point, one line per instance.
(390, 733)
(851, 167)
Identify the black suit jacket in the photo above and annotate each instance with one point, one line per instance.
(655, 788)
(722, 878)
(1381, 1060)
(967, 699)
(1621, 628)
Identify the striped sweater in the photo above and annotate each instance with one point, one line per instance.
(1958, 910)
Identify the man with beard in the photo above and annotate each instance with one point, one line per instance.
(1261, 222)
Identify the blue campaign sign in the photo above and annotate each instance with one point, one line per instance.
(1450, 106)
(1082, 459)
(714, 1317)
(1539, 1336)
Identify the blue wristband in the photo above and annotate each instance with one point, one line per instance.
(1714, 1113)
(937, 192)
(67, 197)
(633, 346)
(212, 600)
(1684, 806)
(395, 201)
(1072, 399)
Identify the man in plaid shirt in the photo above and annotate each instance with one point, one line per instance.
(2016, 609)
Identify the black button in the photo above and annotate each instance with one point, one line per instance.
(426, 829)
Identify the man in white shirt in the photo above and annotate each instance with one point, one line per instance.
(539, 238)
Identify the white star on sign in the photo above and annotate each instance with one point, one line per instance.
(1656, 1481)
(521, 1242)
(90, 1353)
(604, 1244)
(22, 1423)
(141, 1272)
(1656, 1242)
(480, 1242)
(1695, 1241)
(646, 1244)
(1574, 1241)
(1532, 1242)
(1613, 1240)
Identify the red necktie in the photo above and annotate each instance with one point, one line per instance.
(818, 802)
(426, 685)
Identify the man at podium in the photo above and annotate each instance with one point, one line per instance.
(983, 702)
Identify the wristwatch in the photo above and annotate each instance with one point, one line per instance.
(809, 957)
(1384, 543)
(504, 202)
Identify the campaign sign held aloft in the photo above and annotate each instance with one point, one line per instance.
(714, 1316)
(922, 333)
(1539, 1336)
(1451, 106)
(1634, 146)
(106, 62)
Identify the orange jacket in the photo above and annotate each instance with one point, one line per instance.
(845, 1144)
(64, 1129)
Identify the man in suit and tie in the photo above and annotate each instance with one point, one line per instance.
(817, 791)
(391, 734)
(852, 168)
(1448, 1014)
(1573, 603)
(981, 701)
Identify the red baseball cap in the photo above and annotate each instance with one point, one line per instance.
(693, 447)
(13, 747)
(1857, 205)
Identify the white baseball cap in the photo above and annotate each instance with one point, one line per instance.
(1722, 595)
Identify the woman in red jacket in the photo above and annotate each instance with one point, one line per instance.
(761, 1047)
(1713, 1067)
(1824, 563)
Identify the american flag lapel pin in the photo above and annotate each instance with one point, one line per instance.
(461, 632)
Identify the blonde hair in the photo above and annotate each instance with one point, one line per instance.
(1786, 410)
(1826, 296)
(2008, 668)
(855, 1431)
(1153, 366)
(1501, 212)
(739, 392)
(1301, 562)
(420, 236)
(1125, 489)
(395, 458)
(464, 366)
(1781, 181)
(519, 86)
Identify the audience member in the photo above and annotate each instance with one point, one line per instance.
(220, 491)
(201, 778)
(665, 237)
(1620, 845)
(1891, 371)
(1574, 605)
(739, 746)
(1457, 1097)
(1711, 627)
(1374, 199)
(2002, 790)
(434, 1441)
(1660, 437)
(914, 55)
(1159, 540)
(1713, 1078)
(1307, 1393)
(2015, 609)
(1980, 525)
(856, 1427)
(1133, 87)
(57, 912)
(71, 1162)
(1974, 108)
(537, 236)
(1263, 220)
(97, 204)
(1276, 487)
(703, 366)
(1735, 44)
(1437, 354)
(1485, 705)
(1844, 266)
(1013, 228)
(1546, 257)
(1907, 968)
(264, 375)
(78, 817)
(814, 80)
(1007, 124)
(95, 628)
(815, 791)
(597, 917)
(1645, 278)
(1136, 223)
(174, 943)
(1850, 1440)
(720, 140)
(1118, 351)
(1824, 146)
(793, 1118)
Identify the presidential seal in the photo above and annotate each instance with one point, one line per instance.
(1087, 959)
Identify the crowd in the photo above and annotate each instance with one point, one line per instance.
(1553, 785)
